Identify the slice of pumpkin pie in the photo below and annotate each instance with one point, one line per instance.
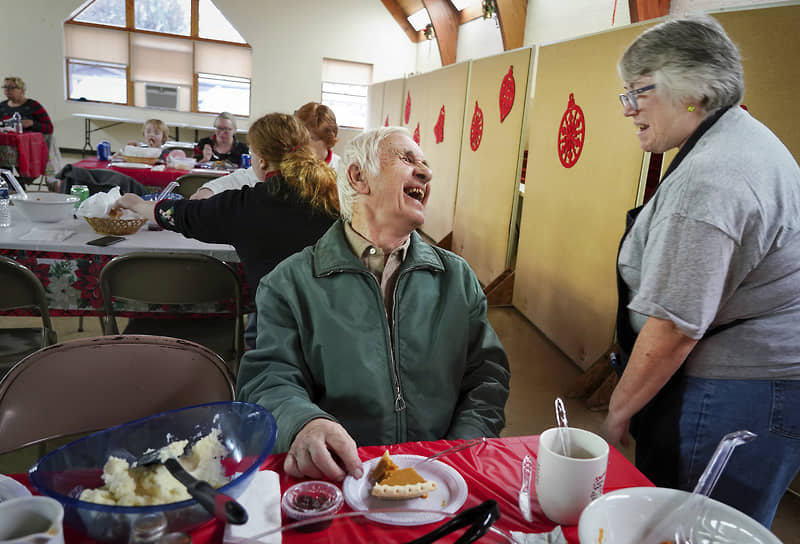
(393, 482)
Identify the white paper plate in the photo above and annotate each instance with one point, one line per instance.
(450, 494)
(11, 489)
(130, 165)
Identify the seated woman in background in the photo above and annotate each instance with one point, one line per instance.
(291, 209)
(320, 122)
(223, 145)
(34, 116)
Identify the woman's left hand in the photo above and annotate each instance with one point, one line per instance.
(27, 123)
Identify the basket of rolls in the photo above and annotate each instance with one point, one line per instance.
(144, 155)
(98, 213)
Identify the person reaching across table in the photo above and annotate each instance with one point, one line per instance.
(293, 207)
(709, 276)
(372, 336)
(34, 116)
(223, 145)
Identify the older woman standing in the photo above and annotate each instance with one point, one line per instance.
(34, 116)
(223, 145)
(710, 276)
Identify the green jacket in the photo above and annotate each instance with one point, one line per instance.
(324, 348)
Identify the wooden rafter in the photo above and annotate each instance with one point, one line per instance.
(444, 18)
(512, 15)
(642, 10)
(401, 18)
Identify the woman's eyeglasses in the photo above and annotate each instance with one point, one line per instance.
(224, 129)
(628, 98)
(10, 87)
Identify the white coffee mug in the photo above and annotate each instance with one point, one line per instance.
(566, 485)
(31, 520)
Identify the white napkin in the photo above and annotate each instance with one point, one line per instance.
(99, 204)
(47, 235)
(553, 537)
(262, 500)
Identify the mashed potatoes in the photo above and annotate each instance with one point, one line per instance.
(144, 486)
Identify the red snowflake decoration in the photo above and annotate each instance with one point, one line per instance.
(438, 128)
(386, 123)
(408, 107)
(476, 129)
(571, 134)
(507, 93)
(416, 134)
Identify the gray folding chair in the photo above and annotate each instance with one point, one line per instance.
(20, 288)
(177, 278)
(90, 384)
(190, 183)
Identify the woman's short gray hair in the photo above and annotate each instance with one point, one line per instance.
(690, 59)
(228, 117)
(363, 150)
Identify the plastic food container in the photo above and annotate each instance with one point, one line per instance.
(308, 500)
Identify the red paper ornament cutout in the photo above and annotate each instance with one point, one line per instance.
(571, 134)
(438, 128)
(416, 134)
(476, 130)
(408, 107)
(386, 123)
(743, 107)
(507, 92)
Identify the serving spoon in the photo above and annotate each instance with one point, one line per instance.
(694, 508)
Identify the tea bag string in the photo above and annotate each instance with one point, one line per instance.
(563, 433)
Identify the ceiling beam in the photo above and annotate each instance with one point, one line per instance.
(512, 15)
(445, 20)
(402, 19)
(642, 10)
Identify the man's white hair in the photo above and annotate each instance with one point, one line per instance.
(363, 150)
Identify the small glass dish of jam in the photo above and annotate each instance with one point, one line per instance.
(312, 499)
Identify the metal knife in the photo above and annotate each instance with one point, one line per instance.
(525, 489)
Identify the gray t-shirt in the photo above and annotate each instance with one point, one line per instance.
(720, 241)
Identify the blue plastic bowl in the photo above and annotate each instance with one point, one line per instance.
(247, 430)
(168, 196)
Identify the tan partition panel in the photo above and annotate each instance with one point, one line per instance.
(393, 100)
(488, 181)
(437, 99)
(573, 218)
(375, 104)
(769, 40)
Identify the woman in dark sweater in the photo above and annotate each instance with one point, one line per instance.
(290, 209)
(223, 145)
(34, 116)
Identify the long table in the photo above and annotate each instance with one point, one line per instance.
(27, 152)
(70, 269)
(146, 175)
(491, 471)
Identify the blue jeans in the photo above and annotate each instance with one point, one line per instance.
(759, 472)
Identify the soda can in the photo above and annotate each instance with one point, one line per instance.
(81, 191)
(245, 160)
(103, 151)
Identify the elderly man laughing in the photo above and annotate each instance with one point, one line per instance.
(372, 336)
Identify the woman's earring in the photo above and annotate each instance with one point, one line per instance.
(690, 107)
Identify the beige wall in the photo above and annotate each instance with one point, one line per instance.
(289, 40)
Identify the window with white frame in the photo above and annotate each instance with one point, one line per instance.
(344, 90)
(175, 54)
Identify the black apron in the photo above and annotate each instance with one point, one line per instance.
(656, 426)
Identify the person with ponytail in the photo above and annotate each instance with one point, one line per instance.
(293, 207)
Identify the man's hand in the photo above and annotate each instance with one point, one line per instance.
(208, 153)
(312, 452)
(202, 193)
(615, 432)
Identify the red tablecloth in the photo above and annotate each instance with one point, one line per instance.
(31, 150)
(491, 471)
(145, 176)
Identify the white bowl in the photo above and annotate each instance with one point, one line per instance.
(46, 207)
(623, 517)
